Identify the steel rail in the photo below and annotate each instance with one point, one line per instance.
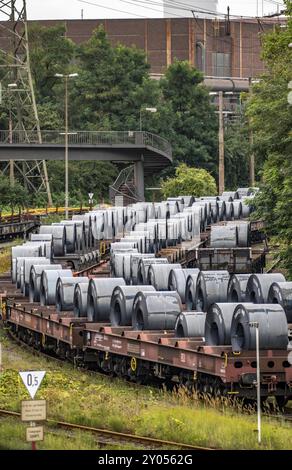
(116, 435)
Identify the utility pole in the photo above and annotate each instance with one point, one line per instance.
(221, 145)
(66, 151)
(251, 161)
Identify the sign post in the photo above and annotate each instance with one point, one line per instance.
(90, 195)
(33, 410)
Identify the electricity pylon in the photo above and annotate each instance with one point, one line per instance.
(15, 67)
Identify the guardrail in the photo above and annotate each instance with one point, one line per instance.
(98, 138)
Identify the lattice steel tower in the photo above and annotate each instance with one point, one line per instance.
(15, 71)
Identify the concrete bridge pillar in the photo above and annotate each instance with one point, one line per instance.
(139, 179)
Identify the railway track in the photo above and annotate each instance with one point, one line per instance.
(118, 437)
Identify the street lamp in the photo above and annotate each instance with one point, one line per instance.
(66, 78)
(150, 110)
(255, 324)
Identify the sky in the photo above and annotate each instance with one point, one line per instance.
(71, 9)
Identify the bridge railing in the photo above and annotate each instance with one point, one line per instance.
(86, 138)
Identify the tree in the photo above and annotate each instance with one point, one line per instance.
(12, 196)
(237, 152)
(189, 181)
(194, 135)
(271, 120)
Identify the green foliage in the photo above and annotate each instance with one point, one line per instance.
(237, 151)
(271, 120)
(193, 131)
(189, 181)
(12, 196)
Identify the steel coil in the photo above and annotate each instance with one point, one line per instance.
(191, 290)
(281, 293)
(23, 251)
(80, 299)
(243, 229)
(65, 292)
(229, 211)
(122, 303)
(211, 287)
(243, 192)
(257, 288)
(99, 298)
(27, 264)
(190, 325)
(156, 310)
(224, 236)
(134, 262)
(218, 324)
(59, 237)
(237, 209)
(236, 291)
(49, 280)
(272, 327)
(71, 235)
(158, 275)
(143, 268)
(177, 281)
(36, 272)
(229, 195)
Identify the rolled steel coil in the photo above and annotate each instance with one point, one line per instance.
(118, 261)
(230, 195)
(224, 236)
(237, 209)
(258, 286)
(272, 327)
(218, 324)
(59, 237)
(122, 301)
(134, 262)
(243, 192)
(80, 299)
(99, 298)
(36, 272)
(158, 275)
(48, 285)
(211, 287)
(229, 211)
(143, 268)
(191, 290)
(177, 281)
(188, 200)
(236, 291)
(122, 247)
(221, 210)
(71, 235)
(243, 229)
(190, 325)
(281, 293)
(65, 292)
(23, 251)
(156, 310)
(27, 264)
(246, 210)
(38, 237)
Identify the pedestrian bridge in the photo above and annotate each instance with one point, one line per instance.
(149, 152)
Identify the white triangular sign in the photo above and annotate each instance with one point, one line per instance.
(32, 380)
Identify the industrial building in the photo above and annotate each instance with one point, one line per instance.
(219, 48)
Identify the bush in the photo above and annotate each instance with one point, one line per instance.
(189, 181)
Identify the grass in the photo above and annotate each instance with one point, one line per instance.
(5, 255)
(99, 401)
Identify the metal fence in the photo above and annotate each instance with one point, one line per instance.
(102, 138)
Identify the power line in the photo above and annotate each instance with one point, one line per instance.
(108, 8)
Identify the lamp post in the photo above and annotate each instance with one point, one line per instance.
(255, 325)
(66, 78)
(150, 110)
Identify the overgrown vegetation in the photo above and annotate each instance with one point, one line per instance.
(191, 181)
(271, 120)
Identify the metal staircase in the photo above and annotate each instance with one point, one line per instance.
(124, 186)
